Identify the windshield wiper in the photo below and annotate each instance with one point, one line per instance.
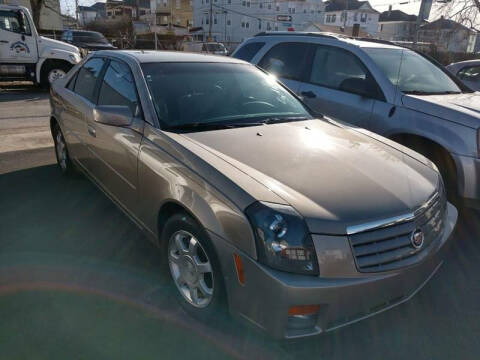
(419, 92)
(198, 126)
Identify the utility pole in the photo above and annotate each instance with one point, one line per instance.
(155, 25)
(210, 20)
(346, 16)
(423, 13)
(76, 13)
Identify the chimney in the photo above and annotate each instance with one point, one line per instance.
(389, 10)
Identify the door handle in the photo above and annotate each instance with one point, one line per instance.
(92, 131)
(4, 41)
(308, 94)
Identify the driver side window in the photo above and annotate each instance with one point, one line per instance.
(339, 69)
(10, 21)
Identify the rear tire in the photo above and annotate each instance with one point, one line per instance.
(61, 152)
(190, 259)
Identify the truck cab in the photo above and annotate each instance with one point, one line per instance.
(25, 55)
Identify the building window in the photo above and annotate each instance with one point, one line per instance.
(268, 26)
(243, 24)
(248, 3)
(328, 18)
(215, 20)
(244, 3)
(304, 11)
(229, 22)
(363, 17)
(206, 21)
(229, 1)
(355, 17)
(260, 5)
(334, 18)
(247, 25)
(178, 4)
(259, 24)
(278, 8)
(269, 6)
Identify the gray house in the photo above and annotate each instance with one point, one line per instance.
(448, 35)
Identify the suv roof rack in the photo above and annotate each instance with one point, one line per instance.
(300, 33)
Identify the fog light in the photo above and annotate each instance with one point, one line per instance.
(302, 317)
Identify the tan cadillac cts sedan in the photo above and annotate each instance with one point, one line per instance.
(298, 224)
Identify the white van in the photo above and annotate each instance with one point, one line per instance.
(215, 48)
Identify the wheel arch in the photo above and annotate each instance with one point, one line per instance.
(428, 147)
(47, 61)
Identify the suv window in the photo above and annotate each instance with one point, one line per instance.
(470, 73)
(334, 68)
(248, 51)
(118, 87)
(87, 78)
(284, 61)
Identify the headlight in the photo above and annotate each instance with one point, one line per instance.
(282, 238)
(74, 58)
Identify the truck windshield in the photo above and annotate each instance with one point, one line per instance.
(411, 72)
(206, 94)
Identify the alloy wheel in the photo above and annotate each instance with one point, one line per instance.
(55, 74)
(191, 269)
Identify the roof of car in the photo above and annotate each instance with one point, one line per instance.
(360, 42)
(147, 56)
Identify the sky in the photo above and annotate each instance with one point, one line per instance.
(408, 6)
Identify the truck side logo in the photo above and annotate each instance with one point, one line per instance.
(20, 48)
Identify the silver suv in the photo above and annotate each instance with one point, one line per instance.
(390, 90)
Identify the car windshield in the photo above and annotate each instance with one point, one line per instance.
(93, 37)
(207, 94)
(215, 47)
(411, 72)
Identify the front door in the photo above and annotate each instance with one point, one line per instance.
(115, 149)
(17, 43)
(338, 86)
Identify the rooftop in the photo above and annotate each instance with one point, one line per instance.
(396, 15)
(339, 5)
(147, 56)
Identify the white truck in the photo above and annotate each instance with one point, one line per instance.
(24, 55)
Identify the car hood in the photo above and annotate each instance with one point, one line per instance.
(55, 44)
(334, 177)
(95, 46)
(459, 108)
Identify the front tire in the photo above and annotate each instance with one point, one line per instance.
(52, 71)
(196, 276)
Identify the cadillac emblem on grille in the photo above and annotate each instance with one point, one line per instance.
(417, 238)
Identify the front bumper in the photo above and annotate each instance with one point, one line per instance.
(344, 295)
(468, 179)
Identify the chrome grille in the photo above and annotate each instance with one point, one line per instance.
(390, 247)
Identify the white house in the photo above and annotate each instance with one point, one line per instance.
(87, 14)
(347, 13)
(236, 20)
(395, 25)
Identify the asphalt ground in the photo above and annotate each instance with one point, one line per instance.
(78, 280)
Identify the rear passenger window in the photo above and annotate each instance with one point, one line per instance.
(248, 51)
(285, 60)
(87, 78)
(118, 87)
(71, 83)
(471, 73)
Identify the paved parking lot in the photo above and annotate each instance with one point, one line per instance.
(79, 281)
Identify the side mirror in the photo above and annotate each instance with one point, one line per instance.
(114, 115)
(362, 87)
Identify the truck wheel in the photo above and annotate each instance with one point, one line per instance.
(52, 71)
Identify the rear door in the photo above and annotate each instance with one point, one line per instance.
(17, 43)
(79, 104)
(339, 85)
(115, 149)
(287, 61)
